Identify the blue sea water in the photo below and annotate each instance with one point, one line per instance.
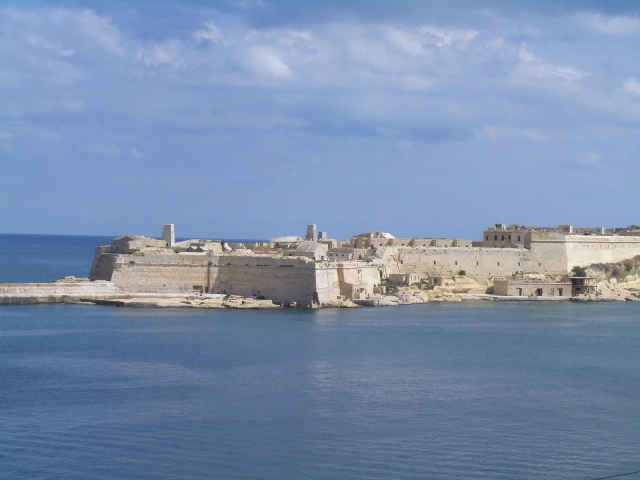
(485, 390)
(46, 258)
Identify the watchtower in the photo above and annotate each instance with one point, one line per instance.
(168, 235)
(312, 233)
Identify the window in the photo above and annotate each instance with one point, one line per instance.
(539, 292)
(498, 263)
(518, 263)
(509, 238)
(518, 237)
(559, 292)
(456, 262)
(502, 238)
(434, 262)
(495, 238)
(487, 238)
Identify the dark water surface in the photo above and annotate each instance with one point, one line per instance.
(512, 390)
(482, 390)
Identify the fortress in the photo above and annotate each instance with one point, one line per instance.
(318, 271)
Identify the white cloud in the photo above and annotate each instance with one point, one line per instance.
(290, 38)
(38, 41)
(135, 153)
(265, 61)
(168, 53)
(212, 33)
(408, 43)
(532, 66)
(94, 27)
(623, 25)
(449, 37)
(632, 85)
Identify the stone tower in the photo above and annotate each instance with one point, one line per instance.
(168, 235)
(312, 233)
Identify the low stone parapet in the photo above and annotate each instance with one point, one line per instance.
(58, 292)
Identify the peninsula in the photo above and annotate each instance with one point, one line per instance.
(370, 269)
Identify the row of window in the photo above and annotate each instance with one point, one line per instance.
(495, 238)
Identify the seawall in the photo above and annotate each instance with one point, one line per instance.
(290, 279)
(58, 292)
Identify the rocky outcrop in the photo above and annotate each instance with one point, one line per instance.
(616, 281)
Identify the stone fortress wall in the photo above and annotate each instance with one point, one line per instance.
(57, 292)
(567, 251)
(313, 280)
(280, 279)
(548, 254)
(476, 262)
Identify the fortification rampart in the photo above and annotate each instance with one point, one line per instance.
(563, 252)
(480, 263)
(58, 288)
(286, 279)
(357, 279)
(550, 253)
(586, 250)
(305, 281)
(291, 279)
(58, 292)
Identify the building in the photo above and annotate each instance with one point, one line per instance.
(523, 287)
(313, 250)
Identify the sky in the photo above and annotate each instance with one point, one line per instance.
(254, 118)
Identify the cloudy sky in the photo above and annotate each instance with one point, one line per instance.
(253, 118)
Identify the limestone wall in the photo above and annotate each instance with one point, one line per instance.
(287, 279)
(327, 284)
(280, 279)
(103, 264)
(585, 250)
(480, 263)
(563, 252)
(59, 292)
(295, 279)
(58, 288)
(357, 275)
(550, 253)
(161, 273)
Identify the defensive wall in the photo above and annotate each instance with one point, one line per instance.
(357, 279)
(290, 279)
(305, 281)
(550, 253)
(58, 292)
(563, 252)
(480, 263)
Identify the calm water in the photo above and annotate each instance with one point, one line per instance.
(46, 258)
(474, 390)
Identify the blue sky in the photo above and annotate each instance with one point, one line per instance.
(251, 119)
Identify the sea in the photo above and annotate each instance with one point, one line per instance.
(473, 390)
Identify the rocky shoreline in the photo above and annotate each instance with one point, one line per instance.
(71, 290)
